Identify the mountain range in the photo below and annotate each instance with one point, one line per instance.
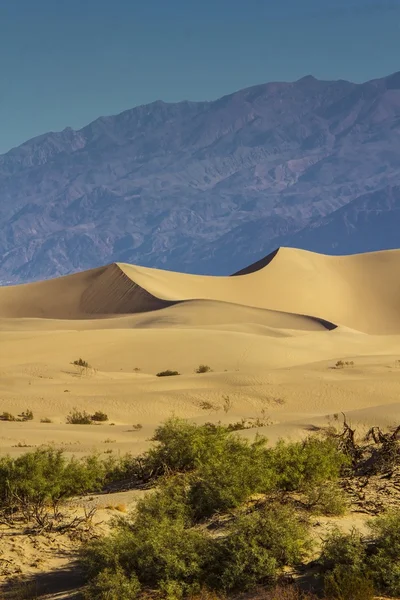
(208, 187)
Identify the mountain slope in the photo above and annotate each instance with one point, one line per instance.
(199, 186)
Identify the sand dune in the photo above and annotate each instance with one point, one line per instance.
(361, 291)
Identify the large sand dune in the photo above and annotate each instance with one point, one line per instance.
(271, 334)
(361, 291)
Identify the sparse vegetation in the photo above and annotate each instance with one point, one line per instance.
(26, 415)
(99, 416)
(203, 369)
(227, 404)
(6, 416)
(340, 364)
(167, 373)
(137, 426)
(46, 420)
(79, 417)
(81, 363)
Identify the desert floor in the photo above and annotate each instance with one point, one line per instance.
(272, 337)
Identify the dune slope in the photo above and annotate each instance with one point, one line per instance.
(360, 291)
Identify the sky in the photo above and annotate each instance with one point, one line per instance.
(66, 62)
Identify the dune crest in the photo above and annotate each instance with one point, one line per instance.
(361, 292)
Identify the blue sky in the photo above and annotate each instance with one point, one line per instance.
(66, 62)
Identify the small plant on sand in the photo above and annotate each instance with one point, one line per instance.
(167, 373)
(79, 417)
(99, 416)
(340, 364)
(46, 420)
(6, 416)
(227, 404)
(81, 363)
(203, 369)
(206, 405)
(137, 427)
(26, 415)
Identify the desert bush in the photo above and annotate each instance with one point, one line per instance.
(46, 420)
(79, 417)
(340, 364)
(160, 551)
(137, 426)
(26, 415)
(347, 549)
(99, 416)
(81, 363)
(183, 445)
(257, 546)
(227, 404)
(343, 583)
(112, 584)
(36, 480)
(384, 562)
(343, 560)
(230, 474)
(6, 416)
(167, 373)
(203, 369)
(283, 592)
(307, 464)
(326, 499)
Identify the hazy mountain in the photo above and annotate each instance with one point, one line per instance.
(208, 186)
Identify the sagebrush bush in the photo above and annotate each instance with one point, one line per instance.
(326, 499)
(183, 445)
(44, 477)
(344, 583)
(203, 369)
(310, 463)
(229, 474)
(258, 545)
(167, 373)
(384, 562)
(79, 417)
(6, 416)
(112, 584)
(81, 363)
(99, 416)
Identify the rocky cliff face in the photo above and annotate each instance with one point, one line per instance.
(208, 186)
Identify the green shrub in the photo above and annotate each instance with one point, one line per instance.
(167, 373)
(162, 552)
(183, 445)
(203, 369)
(79, 417)
(35, 480)
(347, 549)
(257, 546)
(343, 583)
(99, 416)
(112, 584)
(326, 499)
(306, 464)
(384, 562)
(229, 474)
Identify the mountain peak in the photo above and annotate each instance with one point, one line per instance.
(207, 186)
